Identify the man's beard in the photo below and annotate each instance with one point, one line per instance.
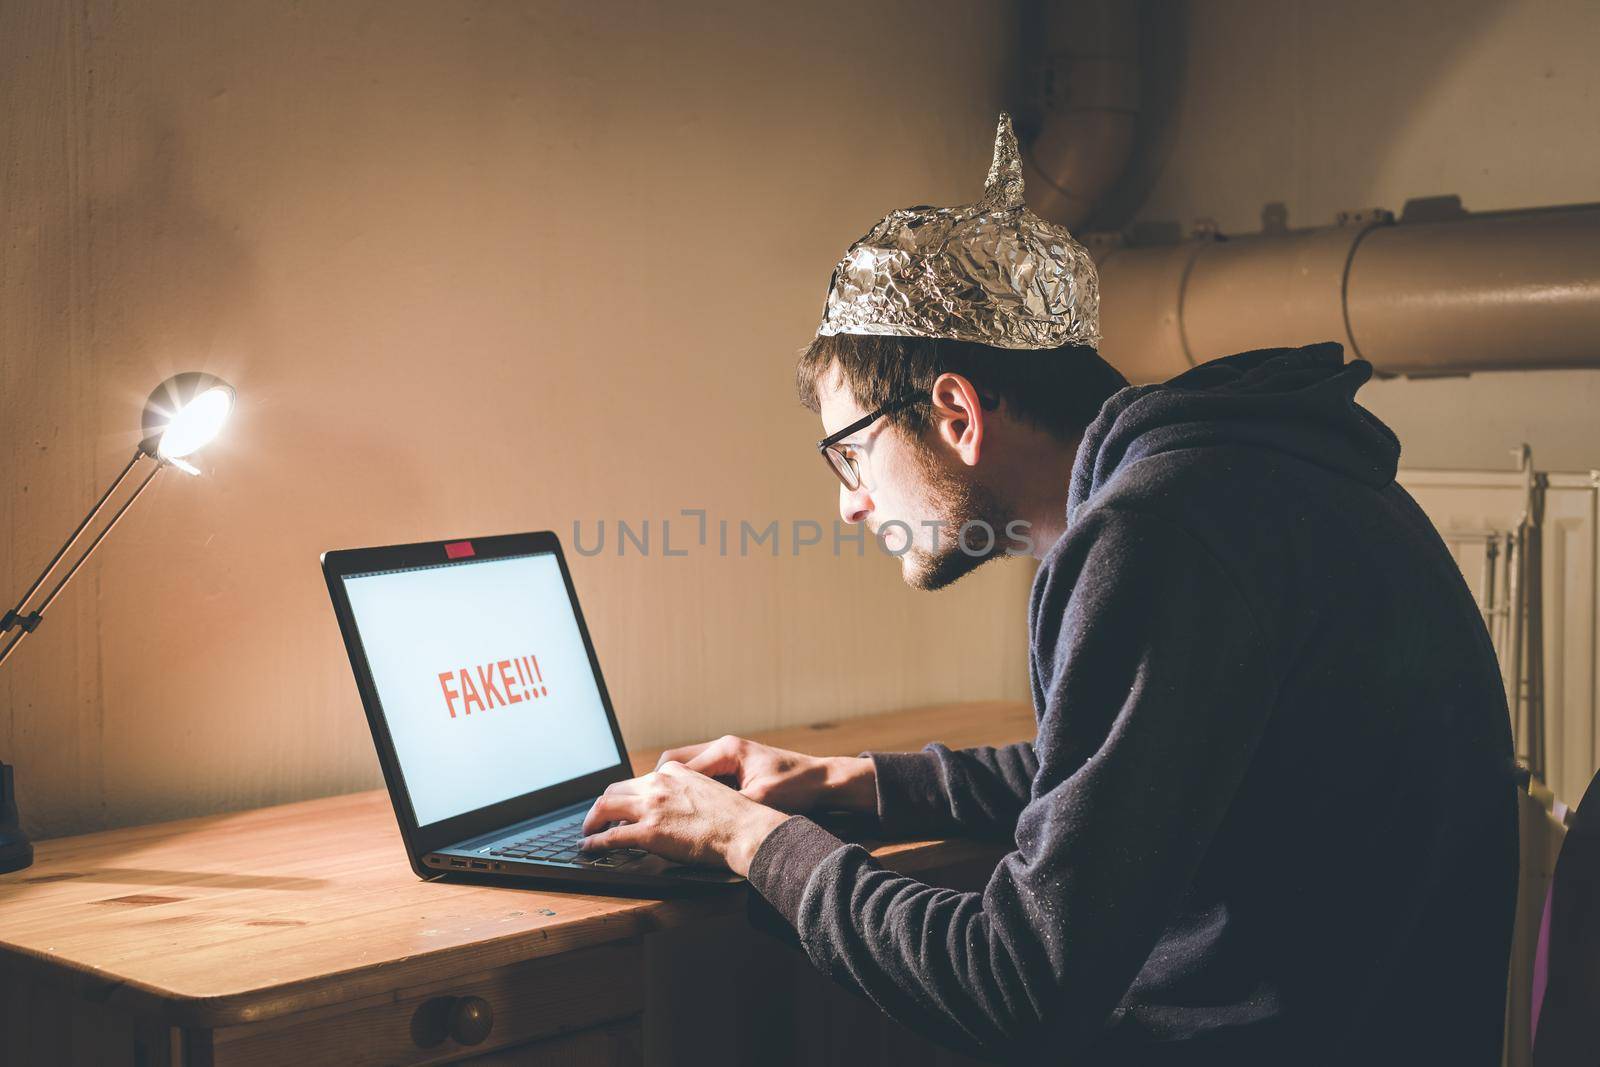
(955, 503)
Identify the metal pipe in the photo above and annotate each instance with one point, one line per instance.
(1516, 548)
(1088, 88)
(1508, 549)
(1491, 550)
(1509, 291)
(1502, 291)
(1593, 718)
(1531, 682)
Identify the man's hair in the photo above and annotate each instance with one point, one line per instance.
(1057, 389)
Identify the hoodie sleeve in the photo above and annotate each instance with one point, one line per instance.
(1156, 689)
(978, 792)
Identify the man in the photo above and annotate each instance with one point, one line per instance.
(1268, 817)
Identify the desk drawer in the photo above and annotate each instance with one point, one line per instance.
(449, 1020)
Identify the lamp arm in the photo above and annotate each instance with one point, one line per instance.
(84, 525)
(26, 624)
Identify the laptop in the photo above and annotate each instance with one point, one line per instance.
(488, 710)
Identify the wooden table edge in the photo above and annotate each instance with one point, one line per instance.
(265, 1002)
(175, 1007)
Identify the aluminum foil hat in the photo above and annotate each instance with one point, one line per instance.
(991, 272)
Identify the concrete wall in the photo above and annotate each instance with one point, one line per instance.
(1368, 103)
(474, 267)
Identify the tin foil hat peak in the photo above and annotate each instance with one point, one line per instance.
(991, 271)
(1003, 188)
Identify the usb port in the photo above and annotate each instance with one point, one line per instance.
(479, 866)
(458, 863)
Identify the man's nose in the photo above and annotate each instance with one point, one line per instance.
(854, 504)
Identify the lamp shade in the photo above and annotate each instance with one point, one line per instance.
(184, 414)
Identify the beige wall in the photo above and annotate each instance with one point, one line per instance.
(1368, 103)
(484, 267)
(474, 267)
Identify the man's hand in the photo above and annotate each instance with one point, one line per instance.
(788, 781)
(681, 815)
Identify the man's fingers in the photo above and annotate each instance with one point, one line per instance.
(629, 785)
(717, 758)
(683, 753)
(619, 807)
(724, 756)
(628, 835)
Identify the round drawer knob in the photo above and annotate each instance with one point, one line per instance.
(466, 1020)
(471, 1019)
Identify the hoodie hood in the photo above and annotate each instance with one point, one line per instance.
(1300, 401)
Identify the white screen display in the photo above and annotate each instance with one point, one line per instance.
(483, 680)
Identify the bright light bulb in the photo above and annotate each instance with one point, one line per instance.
(196, 423)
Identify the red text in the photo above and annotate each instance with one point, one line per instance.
(492, 685)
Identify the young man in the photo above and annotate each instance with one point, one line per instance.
(1269, 815)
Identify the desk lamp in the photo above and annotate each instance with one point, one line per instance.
(181, 417)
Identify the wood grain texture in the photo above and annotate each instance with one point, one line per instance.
(241, 918)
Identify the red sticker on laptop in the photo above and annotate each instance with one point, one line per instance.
(458, 549)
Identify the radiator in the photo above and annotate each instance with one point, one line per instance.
(1478, 513)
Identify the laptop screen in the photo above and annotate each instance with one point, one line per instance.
(483, 680)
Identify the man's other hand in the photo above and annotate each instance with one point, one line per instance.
(778, 778)
(681, 815)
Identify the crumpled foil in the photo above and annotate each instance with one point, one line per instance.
(991, 272)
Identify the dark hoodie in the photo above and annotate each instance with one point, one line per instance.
(1269, 815)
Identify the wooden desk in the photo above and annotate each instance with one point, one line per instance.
(299, 934)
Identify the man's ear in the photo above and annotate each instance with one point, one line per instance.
(958, 417)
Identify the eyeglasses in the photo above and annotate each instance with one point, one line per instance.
(840, 462)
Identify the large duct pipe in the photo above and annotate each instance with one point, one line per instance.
(1088, 90)
(1502, 291)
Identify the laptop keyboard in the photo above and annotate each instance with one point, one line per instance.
(558, 842)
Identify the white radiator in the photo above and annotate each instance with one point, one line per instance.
(1473, 511)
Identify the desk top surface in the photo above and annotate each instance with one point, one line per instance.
(235, 918)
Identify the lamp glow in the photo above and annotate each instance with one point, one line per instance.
(183, 415)
(196, 423)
